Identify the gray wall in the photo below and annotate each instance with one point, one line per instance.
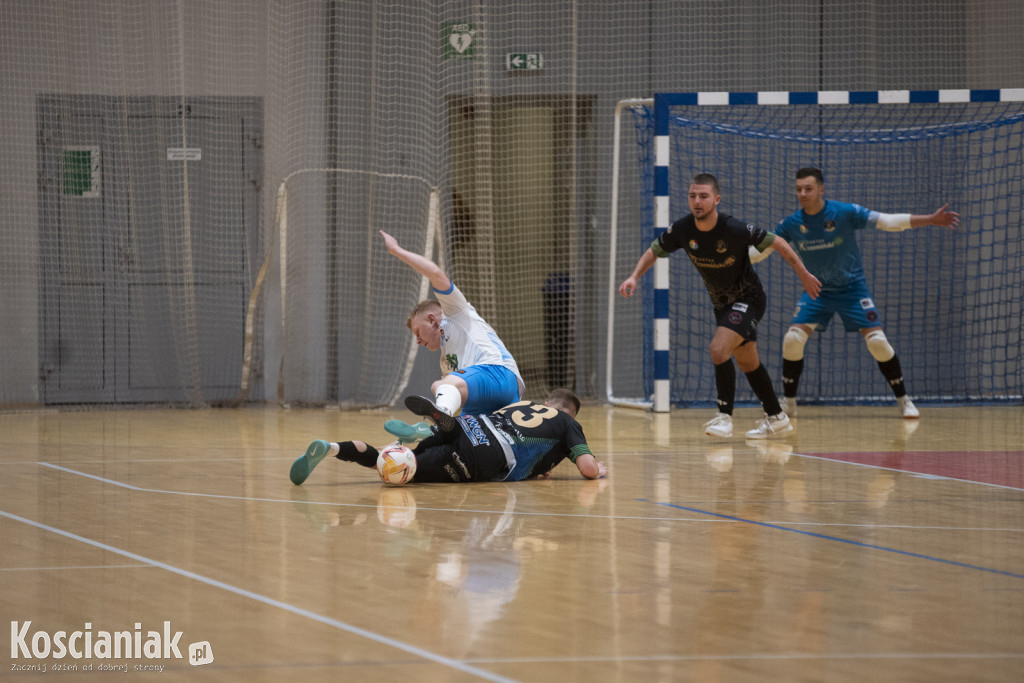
(391, 91)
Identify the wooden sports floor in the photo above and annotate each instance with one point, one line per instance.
(863, 548)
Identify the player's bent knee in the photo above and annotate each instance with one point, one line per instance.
(793, 343)
(878, 346)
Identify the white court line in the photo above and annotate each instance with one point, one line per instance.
(910, 472)
(132, 487)
(183, 461)
(95, 566)
(756, 656)
(355, 630)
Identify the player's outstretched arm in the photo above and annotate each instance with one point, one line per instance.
(811, 284)
(420, 264)
(590, 468)
(941, 218)
(898, 222)
(628, 285)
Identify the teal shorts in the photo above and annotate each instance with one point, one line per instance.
(853, 305)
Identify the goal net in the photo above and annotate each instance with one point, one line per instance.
(949, 301)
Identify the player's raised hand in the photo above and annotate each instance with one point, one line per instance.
(390, 242)
(946, 219)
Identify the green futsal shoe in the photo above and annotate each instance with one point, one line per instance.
(305, 463)
(407, 433)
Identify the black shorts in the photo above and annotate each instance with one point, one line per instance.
(742, 317)
(456, 457)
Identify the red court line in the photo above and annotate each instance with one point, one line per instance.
(1002, 468)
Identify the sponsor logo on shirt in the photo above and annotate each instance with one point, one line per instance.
(720, 246)
(818, 245)
(474, 431)
(830, 226)
(711, 263)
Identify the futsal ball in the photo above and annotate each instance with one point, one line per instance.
(396, 464)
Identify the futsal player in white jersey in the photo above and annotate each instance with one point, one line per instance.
(824, 234)
(479, 375)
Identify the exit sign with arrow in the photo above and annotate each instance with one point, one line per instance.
(516, 61)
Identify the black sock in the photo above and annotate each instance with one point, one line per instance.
(725, 382)
(348, 452)
(791, 371)
(894, 375)
(761, 383)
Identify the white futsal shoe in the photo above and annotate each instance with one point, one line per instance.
(720, 425)
(907, 408)
(772, 427)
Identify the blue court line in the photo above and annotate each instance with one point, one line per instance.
(826, 537)
(355, 630)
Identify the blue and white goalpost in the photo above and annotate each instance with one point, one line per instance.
(893, 151)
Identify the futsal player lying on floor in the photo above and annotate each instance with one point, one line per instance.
(517, 442)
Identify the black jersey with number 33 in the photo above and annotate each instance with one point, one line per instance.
(537, 436)
(720, 255)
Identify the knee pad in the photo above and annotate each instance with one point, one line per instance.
(793, 344)
(878, 346)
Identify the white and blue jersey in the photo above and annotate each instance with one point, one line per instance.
(467, 342)
(827, 244)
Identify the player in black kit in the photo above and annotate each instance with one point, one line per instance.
(717, 245)
(517, 442)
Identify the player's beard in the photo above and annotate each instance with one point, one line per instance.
(703, 216)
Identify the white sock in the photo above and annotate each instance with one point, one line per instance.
(448, 398)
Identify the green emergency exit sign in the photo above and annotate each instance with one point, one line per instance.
(523, 61)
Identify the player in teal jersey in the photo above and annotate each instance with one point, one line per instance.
(824, 234)
(517, 442)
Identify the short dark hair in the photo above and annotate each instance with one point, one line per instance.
(811, 172)
(565, 399)
(706, 179)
